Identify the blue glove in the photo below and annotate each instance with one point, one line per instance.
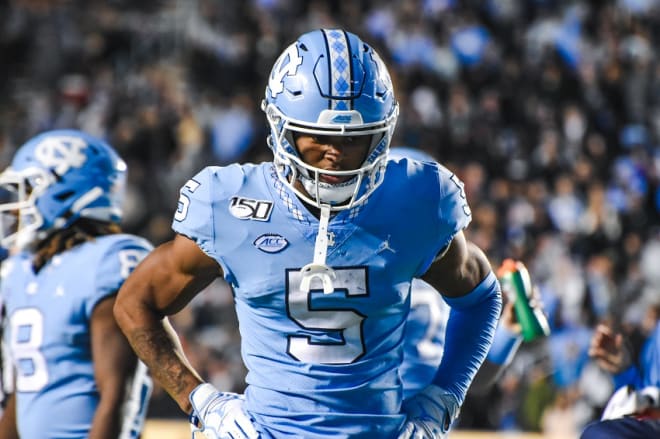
(430, 414)
(220, 415)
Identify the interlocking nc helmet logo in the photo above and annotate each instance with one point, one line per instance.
(287, 64)
(61, 153)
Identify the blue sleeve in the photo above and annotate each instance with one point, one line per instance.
(647, 370)
(199, 198)
(117, 262)
(470, 331)
(453, 207)
(629, 376)
(651, 359)
(454, 213)
(194, 215)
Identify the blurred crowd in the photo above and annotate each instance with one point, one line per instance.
(548, 110)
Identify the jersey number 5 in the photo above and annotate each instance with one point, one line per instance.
(335, 331)
(184, 201)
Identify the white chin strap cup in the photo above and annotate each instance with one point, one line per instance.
(318, 268)
(329, 193)
(321, 271)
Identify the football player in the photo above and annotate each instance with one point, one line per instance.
(75, 374)
(320, 247)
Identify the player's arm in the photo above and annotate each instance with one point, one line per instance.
(469, 286)
(460, 269)
(466, 280)
(114, 366)
(506, 342)
(523, 319)
(8, 419)
(162, 284)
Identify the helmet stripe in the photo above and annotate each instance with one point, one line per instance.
(340, 69)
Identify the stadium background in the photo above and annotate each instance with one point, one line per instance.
(549, 111)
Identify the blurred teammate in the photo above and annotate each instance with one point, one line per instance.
(425, 328)
(75, 374)
(633, 411)
(320, 247)
(425, 333)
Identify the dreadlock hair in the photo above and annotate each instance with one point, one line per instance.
(83, 230)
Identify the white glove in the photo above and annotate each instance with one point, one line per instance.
(430, 414)
(627, 401)
(219, 415)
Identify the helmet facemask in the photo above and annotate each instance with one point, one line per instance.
(362, 181)
(20, 218)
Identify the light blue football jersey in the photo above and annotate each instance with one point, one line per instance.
(322, 365)
(48, 335)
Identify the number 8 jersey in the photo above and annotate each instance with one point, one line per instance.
(48, 336)
(322, 365)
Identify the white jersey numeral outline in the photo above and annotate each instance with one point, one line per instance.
(345, 324)
(184, 201)
(129, 259)
(27, 332)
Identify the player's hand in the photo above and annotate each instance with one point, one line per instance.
(508, 318)
(608, 349)
(220, 415)
(430, 414)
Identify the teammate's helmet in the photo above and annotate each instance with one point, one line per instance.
(56, 178)
(330, 83)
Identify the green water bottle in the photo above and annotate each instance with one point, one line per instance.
(516, 283)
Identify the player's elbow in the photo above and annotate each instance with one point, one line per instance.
(128, 310)
(121, 311)
(478, 263)
(135, 308)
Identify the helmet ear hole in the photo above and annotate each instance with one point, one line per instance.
(62, 196)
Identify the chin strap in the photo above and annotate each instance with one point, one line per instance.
(318, 268)
(330, 193)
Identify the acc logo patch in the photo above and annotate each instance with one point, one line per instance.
(271, 243)
(248, 209)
